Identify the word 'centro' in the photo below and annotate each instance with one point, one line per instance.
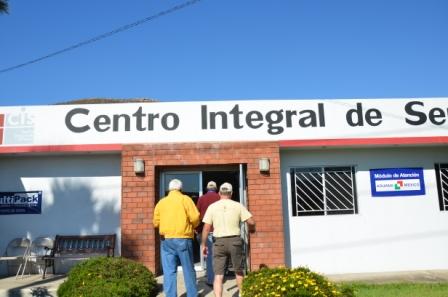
(77, 120)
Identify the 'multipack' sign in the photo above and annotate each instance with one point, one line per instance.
(397, 182)
(20, 202)
(263, 120)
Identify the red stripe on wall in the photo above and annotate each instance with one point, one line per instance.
(61, 148)
(364, 141)
(1, 135)
(2, 120)
(282, 143)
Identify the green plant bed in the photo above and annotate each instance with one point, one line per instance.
(401, 290)
(112, 277)
(297, 282)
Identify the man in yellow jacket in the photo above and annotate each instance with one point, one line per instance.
(176, 216)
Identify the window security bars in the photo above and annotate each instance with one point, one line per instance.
(323, 191)
(442, 185)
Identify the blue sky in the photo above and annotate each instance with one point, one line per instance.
(220, 50)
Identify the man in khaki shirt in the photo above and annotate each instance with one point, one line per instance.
(226, 215)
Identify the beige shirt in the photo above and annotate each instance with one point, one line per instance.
(226, 215)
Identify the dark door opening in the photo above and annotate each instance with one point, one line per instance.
(194, 185)
(221, 177)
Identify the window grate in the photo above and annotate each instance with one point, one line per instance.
(323, 191)
(442, 185)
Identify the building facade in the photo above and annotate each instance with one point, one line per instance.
(346, 179)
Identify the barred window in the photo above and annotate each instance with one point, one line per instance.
(323, 191)
(442, 185)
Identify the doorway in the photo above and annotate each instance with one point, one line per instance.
(195, 179)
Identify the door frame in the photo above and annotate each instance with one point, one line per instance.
(242, 189)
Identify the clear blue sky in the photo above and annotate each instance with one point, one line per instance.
(245, 49)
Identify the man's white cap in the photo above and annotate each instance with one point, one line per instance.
(211, 185)
(225, 188)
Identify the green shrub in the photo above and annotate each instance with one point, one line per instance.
(112, 277)
(285, 282)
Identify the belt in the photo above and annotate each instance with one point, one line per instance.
(231, 236)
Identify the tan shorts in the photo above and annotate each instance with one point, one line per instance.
(225, 247)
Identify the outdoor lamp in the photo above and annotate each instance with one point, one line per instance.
(263, 164)
(139, 166)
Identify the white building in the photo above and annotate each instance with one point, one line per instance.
(353, 185)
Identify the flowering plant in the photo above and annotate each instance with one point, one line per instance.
(285, 282)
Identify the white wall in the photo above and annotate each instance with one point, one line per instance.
(388, 233)
(81, 195)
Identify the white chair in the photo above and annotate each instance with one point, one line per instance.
(40, 247)
(16, 253)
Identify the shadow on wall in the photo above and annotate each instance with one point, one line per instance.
(81, 195)
(74, 211)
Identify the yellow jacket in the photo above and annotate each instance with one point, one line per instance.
(176, 216)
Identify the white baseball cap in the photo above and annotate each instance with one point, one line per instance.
(225, 188)
(211, 185)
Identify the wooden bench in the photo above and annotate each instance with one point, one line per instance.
(79, 247)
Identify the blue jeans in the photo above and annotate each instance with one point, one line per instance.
(176, 250)
(209, 260)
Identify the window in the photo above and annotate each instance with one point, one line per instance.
(323, 191)
(442, 185)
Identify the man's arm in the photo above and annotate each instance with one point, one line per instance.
(192, 213)
(251, 222)
(156, 217)
(205, 232)
(246, 217)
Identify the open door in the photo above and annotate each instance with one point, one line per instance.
(243, 200)
(194, 181)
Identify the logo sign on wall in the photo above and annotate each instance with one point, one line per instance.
(20, 202)
(397, 182)
(16, 128)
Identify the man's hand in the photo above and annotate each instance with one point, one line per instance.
(205, 231)
(204, 250)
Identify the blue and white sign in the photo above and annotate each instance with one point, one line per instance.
(20, 202)
(397, 182)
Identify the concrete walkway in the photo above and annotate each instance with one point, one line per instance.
(30, 285)
(35, 286)
(230, 289)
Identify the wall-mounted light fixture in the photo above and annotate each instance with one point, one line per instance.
(263, 164)
(139, 166)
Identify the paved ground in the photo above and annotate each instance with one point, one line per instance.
(34, 285)
(230, 288)
(30, 285)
